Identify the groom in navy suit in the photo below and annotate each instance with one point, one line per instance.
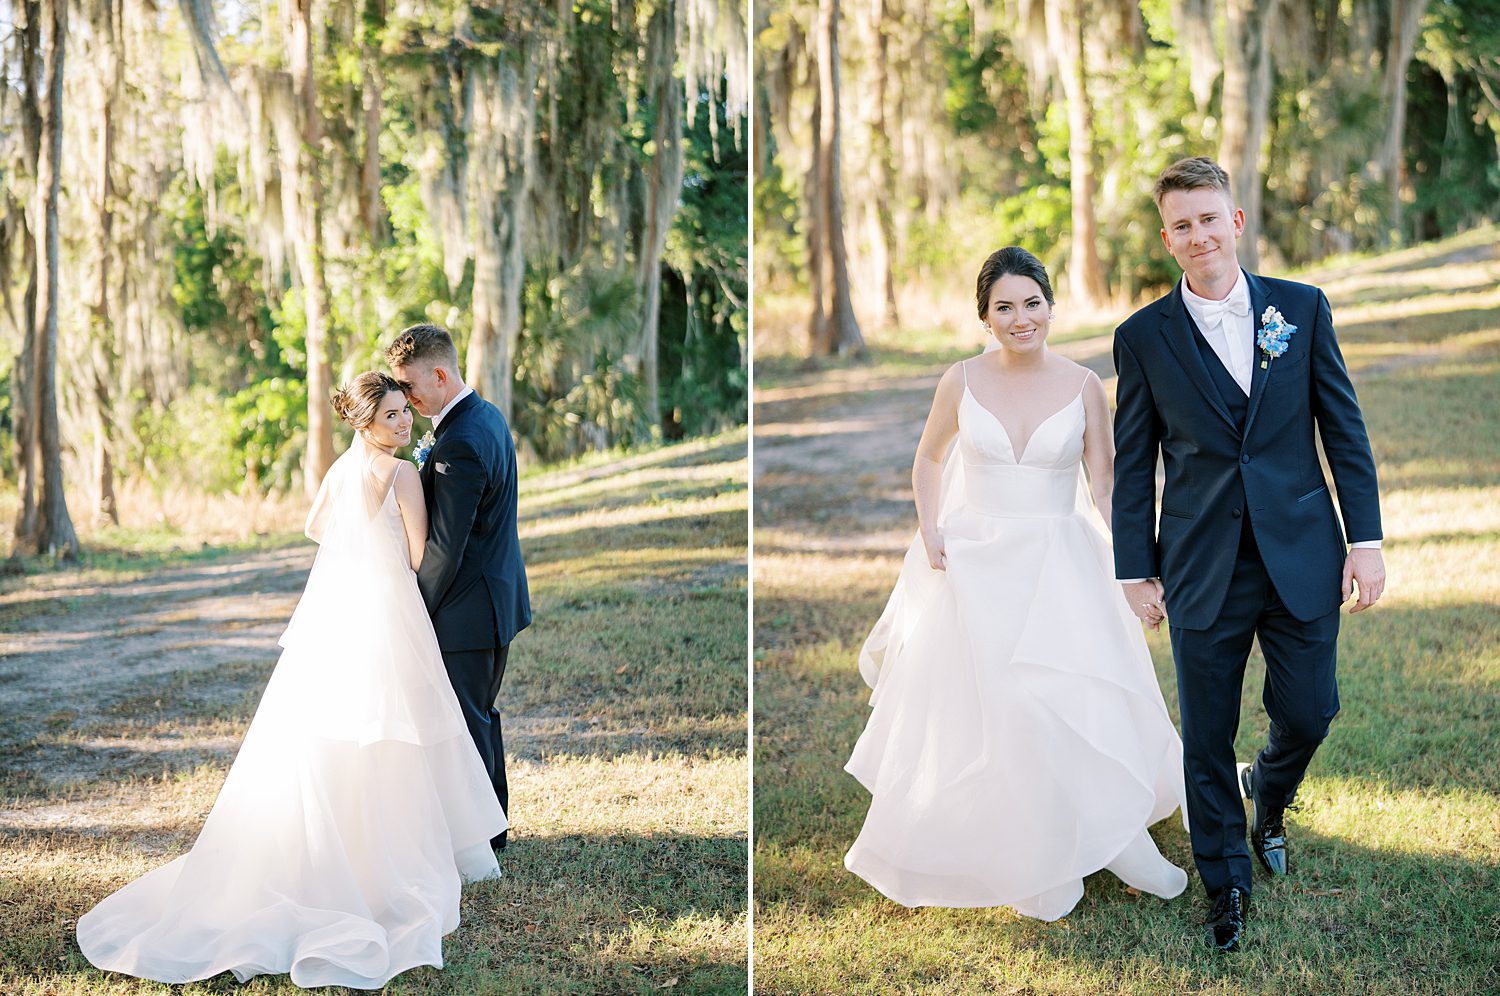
(472, 577)
(1231, 378)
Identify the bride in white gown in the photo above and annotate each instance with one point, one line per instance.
(357, 803)
(1018, 740)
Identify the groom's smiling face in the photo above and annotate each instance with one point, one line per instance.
(1201, 228)
(426, 387)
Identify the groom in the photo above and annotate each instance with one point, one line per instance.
(472, 578)
(1232, 377)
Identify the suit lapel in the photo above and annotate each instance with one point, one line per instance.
(1259, 295)
(426, 476)
(1179, 336)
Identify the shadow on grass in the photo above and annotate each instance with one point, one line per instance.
(649, 493)
(126, 601)
(612, 665)
(1349, 920)
(1399, 292)
(577, 913)
(1430, 326)
(1434, 429)
(688, 454)
(681, 530)
(111, 557)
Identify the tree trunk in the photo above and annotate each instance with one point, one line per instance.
(25, 414)
(319, 456)
(843, 337)
(502, 132)
(1085, 272)
(885, 184)
(1405, 26)
(371, 208)
(1245, 110)
(52, 532)
(1196, 28)
(110, 81)
(817, 320)
(664, 188)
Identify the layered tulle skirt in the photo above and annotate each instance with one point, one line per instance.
(355, 808)
(1018, 740)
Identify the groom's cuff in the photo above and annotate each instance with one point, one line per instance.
(1365, 545)
(1134, 580)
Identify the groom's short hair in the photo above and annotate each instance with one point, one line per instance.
(1197, 173)
(423, 344)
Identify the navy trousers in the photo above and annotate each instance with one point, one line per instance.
(1300, 695)
(476, 677)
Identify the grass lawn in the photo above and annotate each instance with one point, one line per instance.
(1396, 847)
(126, 683)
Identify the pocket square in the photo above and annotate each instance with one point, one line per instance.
(441, 468)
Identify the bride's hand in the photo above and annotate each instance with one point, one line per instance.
(937, 555)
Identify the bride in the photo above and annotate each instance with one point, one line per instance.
(357, 804)
(1017, 740)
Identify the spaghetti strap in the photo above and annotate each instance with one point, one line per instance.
(963, 365)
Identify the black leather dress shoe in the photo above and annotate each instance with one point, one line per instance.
(1268, 828)
(1226, 923)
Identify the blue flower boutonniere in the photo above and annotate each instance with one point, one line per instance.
(424, 447)
(1275, 334)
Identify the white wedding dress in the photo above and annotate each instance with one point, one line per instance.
(357, 804)
(1018, 740)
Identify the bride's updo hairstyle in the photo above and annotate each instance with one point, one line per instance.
(358, 403)
(1010, 261)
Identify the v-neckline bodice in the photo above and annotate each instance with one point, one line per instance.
(1018, 455)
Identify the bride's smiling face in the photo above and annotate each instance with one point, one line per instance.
(391, 428)
(1019, 315)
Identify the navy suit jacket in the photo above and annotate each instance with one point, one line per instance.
(472, 576)
(1217, 470)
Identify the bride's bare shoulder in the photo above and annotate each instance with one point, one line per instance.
(386, 466)
(953, 379)
(1080, 374)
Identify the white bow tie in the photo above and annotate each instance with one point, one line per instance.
(1214, 311)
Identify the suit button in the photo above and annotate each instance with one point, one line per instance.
(1235, 513)
(1244, 458)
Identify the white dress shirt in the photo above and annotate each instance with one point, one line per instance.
(1229, 329)
(438, 418)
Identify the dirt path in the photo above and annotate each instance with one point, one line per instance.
(103, 681)
(107, 684)
(833, 454)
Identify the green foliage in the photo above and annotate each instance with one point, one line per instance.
(1001, 172)
(267, 424)
(1317, 205)
(1453, 121)
(573, 390)
(703, 326)
(217, 287)
(252, 441)
(780, 242)
(231, 320)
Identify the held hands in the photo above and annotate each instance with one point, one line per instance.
(1145, 599)
(1365, 567)
(937, 555)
